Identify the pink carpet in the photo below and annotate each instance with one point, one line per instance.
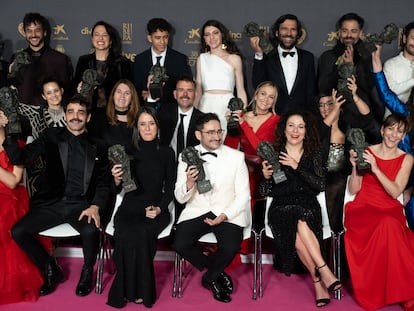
(280, 293)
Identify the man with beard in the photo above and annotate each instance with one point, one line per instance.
(73, 189)
(348, 50)
(44, 62)
(399, 70)
(181, 114)
(292, 69)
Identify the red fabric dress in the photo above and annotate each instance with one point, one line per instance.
(20, 280)
(248, 141)
(379, 245)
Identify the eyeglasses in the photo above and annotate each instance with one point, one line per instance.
(321, 105)
(212, 132)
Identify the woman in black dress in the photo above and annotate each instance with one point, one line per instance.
(295, 214)
(142, 215)
(108, 61)
(122, 108)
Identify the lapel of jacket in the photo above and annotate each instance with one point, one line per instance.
(89, 165)
(63, 151)
(280, 72)
(299, 70)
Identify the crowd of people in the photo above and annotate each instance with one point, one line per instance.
(180, 142)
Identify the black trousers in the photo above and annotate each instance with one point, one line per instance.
(229, 237)
(45, 217)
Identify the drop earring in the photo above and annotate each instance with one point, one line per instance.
(223, 46)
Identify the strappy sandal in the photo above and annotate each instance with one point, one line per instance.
(333, 287)
(322, 302)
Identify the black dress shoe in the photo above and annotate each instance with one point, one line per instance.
(225, 282)
(52, 276)
(218, 293)
(85, 282)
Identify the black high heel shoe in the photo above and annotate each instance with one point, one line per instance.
(322, 302)
(333, 287)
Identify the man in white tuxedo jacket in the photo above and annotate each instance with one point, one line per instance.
(224, 210)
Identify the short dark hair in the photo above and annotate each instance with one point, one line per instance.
(396, 118)
(36, 18)
(204, 118)
(281, 20)
(350, 17)
(78, 99)
(161, 24)
(186, 78)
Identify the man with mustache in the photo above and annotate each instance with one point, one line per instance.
(170, 117)
(399, 70)
(177, 121)
(44, 61)
(348, 49)
(292, 69)
(73, 189)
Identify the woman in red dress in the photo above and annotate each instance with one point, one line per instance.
(256, 126)
(20, 280)
(379, 245)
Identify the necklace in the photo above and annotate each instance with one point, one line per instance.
(121, 113)
(261, 114)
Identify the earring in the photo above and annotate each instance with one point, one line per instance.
(223, 46)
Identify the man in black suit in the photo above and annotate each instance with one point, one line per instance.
(175, 63)
(170, 116)
(73, 188)
(44, 62)
(349, 49)
(292, 69)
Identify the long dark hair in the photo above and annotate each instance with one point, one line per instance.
(136, 138)
(312, 141)
(115, 47)
(226, 38)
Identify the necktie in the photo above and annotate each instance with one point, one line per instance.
(209, 153)
(284, 54)
(158, 60)
(180, 134)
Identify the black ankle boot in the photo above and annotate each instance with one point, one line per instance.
(85, 282)
(52, 276)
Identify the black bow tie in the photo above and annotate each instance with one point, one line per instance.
(284, 54)
(209, 153)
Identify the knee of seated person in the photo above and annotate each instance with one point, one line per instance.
(18, 232)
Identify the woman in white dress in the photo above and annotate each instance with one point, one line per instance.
(219, 71)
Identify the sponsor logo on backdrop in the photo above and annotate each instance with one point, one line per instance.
(21, 29)
(127, 33)
(59, 33)
(236, 36)
(130, 56)
(302, 37)
(331, 38)
(192, 58)
(193, 36)
(60, 48)
(86, 31)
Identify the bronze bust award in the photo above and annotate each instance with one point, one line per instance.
(19, 66)
(252, 29)
(267, 152)
(190, 156)
(356, 137)
(9, 104)
(345, 71)
(159, 77)
(117, 155)
(90, 79)
(233, 126)
(389, 34)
